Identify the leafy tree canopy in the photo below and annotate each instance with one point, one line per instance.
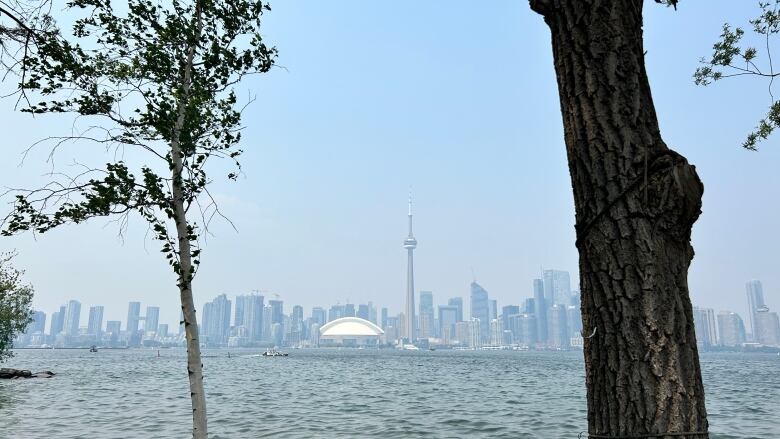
(15, 300)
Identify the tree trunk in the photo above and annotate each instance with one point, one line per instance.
(636, 201)
(194, 364)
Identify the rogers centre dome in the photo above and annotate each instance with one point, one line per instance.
(350, 331)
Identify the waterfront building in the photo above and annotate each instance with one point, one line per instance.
(458, 303)
(72, 316)
(704, 326)
(540, 311)
(250, 316)
(574, 320)
(557, 287)
(558, 330)
(318, 316)
(462, 333)
(350, 331)
(362, 311)
(731, 329)
(426, 329)
(496, 333)
(493, 309)
(480, 309)
(38, 323)
(277, 311)
(133, 316)
(767, 327)
(151, 320)
(216, 320)
(410, 328)
(95, 325)
(57, 322)
(755, 299)
(506, 312)
(475, 334)
(335, 312)
(113, 328)
(448, 317)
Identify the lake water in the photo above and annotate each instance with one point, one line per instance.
(349, 394)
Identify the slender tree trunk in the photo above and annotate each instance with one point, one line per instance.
(636, 201)
(194, 364)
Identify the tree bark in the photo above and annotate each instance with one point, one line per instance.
(194, 364)
(636, 201)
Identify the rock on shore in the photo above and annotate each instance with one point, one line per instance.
(8, 373)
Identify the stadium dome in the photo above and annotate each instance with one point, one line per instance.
(350, 331)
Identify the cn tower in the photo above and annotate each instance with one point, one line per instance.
(410, 244)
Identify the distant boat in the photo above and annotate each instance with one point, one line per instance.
(411, 347)
(274, 353)
(93, 348)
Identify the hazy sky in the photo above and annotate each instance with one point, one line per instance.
(460, 103)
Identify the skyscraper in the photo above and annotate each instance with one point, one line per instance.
(704, 325)
(448, 317)
(767, 327)
(277, 311)
(216, 320)
(95, 325)
(755, 297)
(112, 329)
(457, 302)
(557, 287)
(249, 315)
(507, 312)
(152, 319)
(731, 329)
(410, 244)
(133, 315)
(480, 309)
(558, 331)
(57, 321)
(318, 316)
(493, 309)
(38, 324)
(426, 329)
(540, 311)
(72, 317)
(362, 311)
(383, 318)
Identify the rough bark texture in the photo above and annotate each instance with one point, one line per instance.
(636, 201)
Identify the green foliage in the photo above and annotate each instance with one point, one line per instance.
(15, 300)
(126, 73)
(731, 57)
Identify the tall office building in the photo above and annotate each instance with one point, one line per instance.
(523, 328)
(731, 329)
(426, 329)
(540, 311)
(133, 316)
(152, 319)
(349, 310)
(72, 317)
(372, 317)
(335, 312)
(507, 312)
(410, 328)
(558, 331)
(277, 311)
(297, 331)
(448, 317)
(383, 318)
(57, 321)
(767, 327)
(113, 327)
(162, 330)
(480, 309)
(249, 315)
(318, 316)
(496, 333)
(704, 324)
(362, 312)
(267, 314)
(95, 325)
(457, 302)
(216, 320)
(38, 324)
(755, 298)
(493, 308)
(574, 320)
(557, 287)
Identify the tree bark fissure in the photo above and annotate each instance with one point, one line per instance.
(635, 203)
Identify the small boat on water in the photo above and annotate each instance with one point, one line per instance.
(274, 353)
(93, 348)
